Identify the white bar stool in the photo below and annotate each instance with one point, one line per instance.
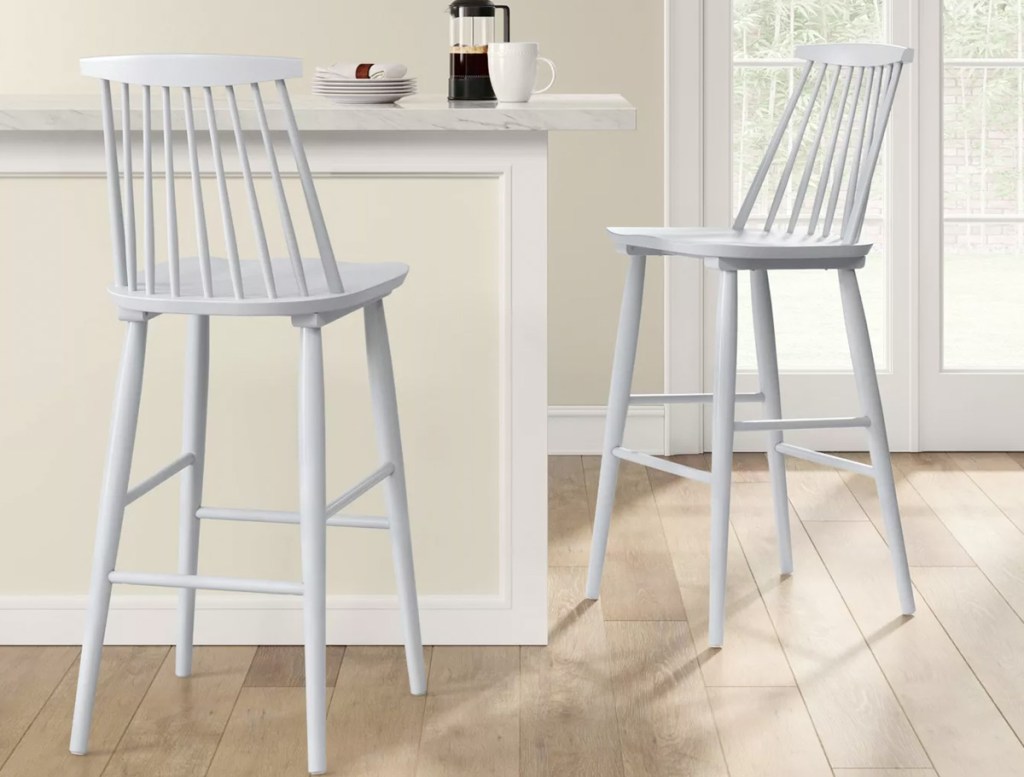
(312, 292)
(847, 91)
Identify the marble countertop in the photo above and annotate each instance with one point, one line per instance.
(548, 112)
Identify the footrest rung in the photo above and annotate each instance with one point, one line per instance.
(280, 516)
(359, 489)
(147, 485)
(646, 460)
(686, 399)
(784, 424)
(827, 459)
(209, 583)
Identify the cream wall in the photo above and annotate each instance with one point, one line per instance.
(59, 364)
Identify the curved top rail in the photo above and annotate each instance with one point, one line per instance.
(856, 54)
(191, 70)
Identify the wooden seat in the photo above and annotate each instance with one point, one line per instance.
(363, 283)
(845, 93)
(313, 292)
(743, 249)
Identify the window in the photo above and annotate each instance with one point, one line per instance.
(983, 171)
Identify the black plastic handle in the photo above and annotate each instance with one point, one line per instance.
(508, 22)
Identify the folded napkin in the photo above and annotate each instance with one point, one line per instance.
(362, 71)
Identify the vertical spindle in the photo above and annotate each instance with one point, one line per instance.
(172, 205)
(147, 185)
(202, 237)
(234, 267)
(254, 204)
(129, 189)
(282, 200)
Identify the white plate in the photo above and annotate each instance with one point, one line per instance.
(337, 88)
(365, 94)
(364, 99)
(322, 90)
(363, 84)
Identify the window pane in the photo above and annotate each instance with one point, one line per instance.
(983, 28)
(771, 29)
(982, 141)
(983, 191)
(809, 318)
(982, 281)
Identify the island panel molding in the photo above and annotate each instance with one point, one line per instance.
(59, 138)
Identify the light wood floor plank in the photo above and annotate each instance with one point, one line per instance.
(1001, 478)
(178, 726)
(570, 521)
(766, 731)
(125, 675)
(747, 467)
(992, 540)
(960, 727)
(818, 493)
(929, 542)
(374, 723)
(986, 631)
(853, 708)
(567, 720)
(471, 723)
(639, 582)
(754, 656)
(284, 666)
(28, 675)
(665, 721)
(884, 773)
(266, 735)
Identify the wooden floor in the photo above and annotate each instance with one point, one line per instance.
(819, 676)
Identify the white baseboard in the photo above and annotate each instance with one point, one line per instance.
(579, 429)
(264, 620)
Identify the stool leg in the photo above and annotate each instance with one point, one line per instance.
(768, 375)
(389, 443)
(108, 530)
(724, 412)
(871, 403)
(197, 385)
(615, 424)
(313, 532)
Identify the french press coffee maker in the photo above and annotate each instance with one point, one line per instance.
(472, 31)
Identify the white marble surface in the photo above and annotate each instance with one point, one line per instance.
(550, 112)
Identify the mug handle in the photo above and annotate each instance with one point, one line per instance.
(551, 83)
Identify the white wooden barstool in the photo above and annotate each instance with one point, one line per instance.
(313, 293)
(846, 93)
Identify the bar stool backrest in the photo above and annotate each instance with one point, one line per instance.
(213, 79)
(833, 124)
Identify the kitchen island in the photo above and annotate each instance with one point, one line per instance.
(459, 192)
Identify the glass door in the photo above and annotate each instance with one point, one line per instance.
(972, 224)
(758, 76)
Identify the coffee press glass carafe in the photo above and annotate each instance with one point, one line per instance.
(472, 31)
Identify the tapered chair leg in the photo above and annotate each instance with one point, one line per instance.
(871, 403)
(313, 537)
(197, 384)
(108, 530)
(389, 443)
(768, 375)
(723, 430)
(615, 423)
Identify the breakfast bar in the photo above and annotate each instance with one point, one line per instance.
(459, 192)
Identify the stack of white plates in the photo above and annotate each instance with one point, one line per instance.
(361, 91)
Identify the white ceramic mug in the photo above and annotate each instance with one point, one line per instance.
(513, 69)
